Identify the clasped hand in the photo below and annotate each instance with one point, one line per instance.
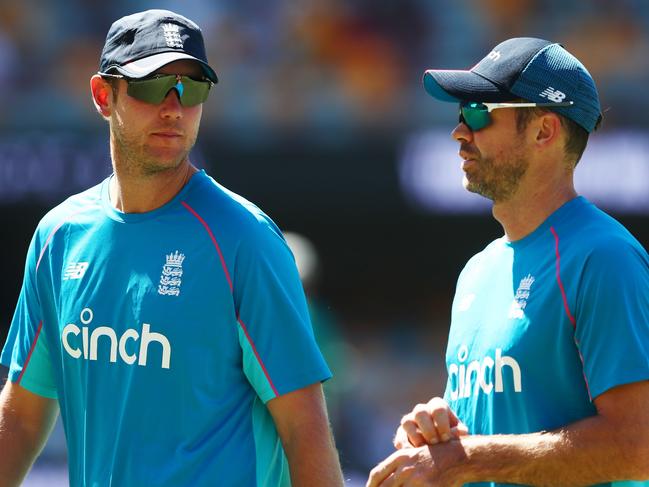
(425, 453)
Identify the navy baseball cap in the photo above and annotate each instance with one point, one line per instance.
(139, 44)
(523, 67)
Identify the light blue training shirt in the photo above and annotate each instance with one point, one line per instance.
(163, 335)
(542, 326)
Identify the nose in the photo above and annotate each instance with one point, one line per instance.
(462, 132)
(171, 108)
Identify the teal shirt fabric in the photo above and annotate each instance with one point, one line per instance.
(163, 335)
(542, 326)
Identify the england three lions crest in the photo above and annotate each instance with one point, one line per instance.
(172, 273)
(517, 308)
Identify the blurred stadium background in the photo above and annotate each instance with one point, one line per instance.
(320, 118)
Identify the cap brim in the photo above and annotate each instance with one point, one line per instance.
(457, 85)
(145, 66)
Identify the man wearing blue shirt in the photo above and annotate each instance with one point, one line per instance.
(160, 312)
(548, 351)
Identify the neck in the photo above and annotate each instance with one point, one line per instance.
(137, 193)
(531, 206)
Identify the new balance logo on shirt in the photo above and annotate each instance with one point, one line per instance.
(75, 270)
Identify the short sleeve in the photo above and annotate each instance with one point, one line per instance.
(280, 353)
(612, 316)
(26, 352)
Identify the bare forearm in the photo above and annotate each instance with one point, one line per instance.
(19, 449)
(313, 460)
(21, 436)
(18, 454)
(584, 453)
(302, 424)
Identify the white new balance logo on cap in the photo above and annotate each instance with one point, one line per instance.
(553, 95)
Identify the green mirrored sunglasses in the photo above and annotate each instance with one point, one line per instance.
(476, 115)
(154, 89)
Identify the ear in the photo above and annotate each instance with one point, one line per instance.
(548, 129)
(102, 95)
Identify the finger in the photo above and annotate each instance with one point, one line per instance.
(401, 476)
(382, 471)
(413, 434)
(454, 420)
(442, 416)
(421, 415)
(460, 430)
(401, 439)
(410, 424)
(439, 403)
(427, 427)
(440, 419)
(391, 481)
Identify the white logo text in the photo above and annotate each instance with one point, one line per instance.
(88, 348)
(477, 375)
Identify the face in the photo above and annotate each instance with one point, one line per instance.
(494, 158)
(155, 138)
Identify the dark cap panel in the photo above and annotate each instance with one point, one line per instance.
(142, 35)
(504, 64)
(536, 70)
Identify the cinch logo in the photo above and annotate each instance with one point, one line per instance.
(90, 342)
(478, 375)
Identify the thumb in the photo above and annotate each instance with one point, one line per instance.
(460, 430)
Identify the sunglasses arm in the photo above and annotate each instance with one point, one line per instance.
(493, 106)
(114, 76)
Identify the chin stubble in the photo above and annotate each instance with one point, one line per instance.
(139, 162)
(498, 182)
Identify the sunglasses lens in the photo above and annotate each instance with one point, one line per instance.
(194, 92)
(474, 115)
(154, 90)
(151, 90)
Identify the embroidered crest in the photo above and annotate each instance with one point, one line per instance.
(172, 272)
(520, 299)
(172, 35)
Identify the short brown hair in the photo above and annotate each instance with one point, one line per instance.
(576, 135)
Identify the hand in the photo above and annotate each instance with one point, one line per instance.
(430, 466)
(429, 424)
